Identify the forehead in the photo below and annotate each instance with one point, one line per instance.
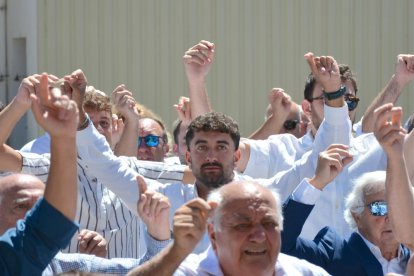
(379, 196)
(245, 205)
(212, 137)
(149, 126)
(22, 189)
(98, 115)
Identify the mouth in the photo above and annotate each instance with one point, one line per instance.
(255, 252)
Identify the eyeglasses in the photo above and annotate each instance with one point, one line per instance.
(150, 140)
(351, 100)
(378, 208)
(290, 124)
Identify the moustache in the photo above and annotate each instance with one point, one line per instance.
(214, 164)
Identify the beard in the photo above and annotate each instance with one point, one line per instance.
(213, 179)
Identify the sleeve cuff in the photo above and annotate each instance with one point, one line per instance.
(336, 115)
(305, 193)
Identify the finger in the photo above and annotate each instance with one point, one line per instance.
(193, 59)
(142, 185)
(311, 62)
(162, 206)
(396, 116)
(141, 204)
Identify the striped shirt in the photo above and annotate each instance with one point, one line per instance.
(99, 209)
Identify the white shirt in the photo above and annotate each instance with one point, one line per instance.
(207, 263)
(107, 191)
(40, 145)
(395, 265)
(279, 152)
(329, 208)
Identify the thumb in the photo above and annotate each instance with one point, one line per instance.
(142, 185)
(213, 206)
(311, 62)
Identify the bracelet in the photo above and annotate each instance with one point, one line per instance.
(85, 123)
(336, 94)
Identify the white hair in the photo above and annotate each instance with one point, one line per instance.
(217, 196)
(367, 184)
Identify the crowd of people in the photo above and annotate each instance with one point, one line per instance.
(108, 190)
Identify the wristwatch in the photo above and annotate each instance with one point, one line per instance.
(336, 94)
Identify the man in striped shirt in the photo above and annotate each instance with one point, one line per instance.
(99, 209)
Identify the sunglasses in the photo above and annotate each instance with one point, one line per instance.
(150, 140)
(351, 101)
(290, 124)
(378, 208)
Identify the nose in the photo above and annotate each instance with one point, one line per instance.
(211, 156)
(98, 128)
(258, 234)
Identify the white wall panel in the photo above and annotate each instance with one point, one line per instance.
(260, 45)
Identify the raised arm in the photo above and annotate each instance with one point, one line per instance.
(198, 60)
(58, 116)
(404, 73)
(189, 227)
(279, 105)
(10, 159)
(124, 103)
(399, 191)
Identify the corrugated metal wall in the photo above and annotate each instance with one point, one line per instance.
(259, 45)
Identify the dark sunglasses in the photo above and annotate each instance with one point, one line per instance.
(378, 208)
(290, 124)
(150, 140)
(351, 101)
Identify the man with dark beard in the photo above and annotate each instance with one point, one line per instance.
(212, 150)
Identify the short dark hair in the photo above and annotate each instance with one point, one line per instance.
(176, 130)
(344, 71)
(214, 121)
(410, 123)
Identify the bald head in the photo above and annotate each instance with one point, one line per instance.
(245, 190)
(245, 228)
(18, 194)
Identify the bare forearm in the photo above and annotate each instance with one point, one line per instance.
(9, 118)
(61, 188)
(199, 101)
(400, 198)
(165, 263)
(127, 144)
(271, 126)
(389, 94)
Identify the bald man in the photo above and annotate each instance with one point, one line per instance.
(18, 194)
(244, 231)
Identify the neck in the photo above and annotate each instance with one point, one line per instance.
(389, 252)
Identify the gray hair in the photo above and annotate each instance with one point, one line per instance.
(367, 184)
(217, 196)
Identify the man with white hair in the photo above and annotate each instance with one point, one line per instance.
(244, 231)
(373, 247)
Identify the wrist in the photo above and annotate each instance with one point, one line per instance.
(84, 121)
(314, 181)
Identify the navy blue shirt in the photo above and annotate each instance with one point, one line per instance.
(28, 248)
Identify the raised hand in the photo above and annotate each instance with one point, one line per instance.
(325, 70)
(280, 103)
(190, 222)
(29, 86)
(153, 209)
(90, 242)
(56, 114)
(198, 60)
(124, 102)
(388, 130)
(330, 163)
(404, 69)
(183, 109)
